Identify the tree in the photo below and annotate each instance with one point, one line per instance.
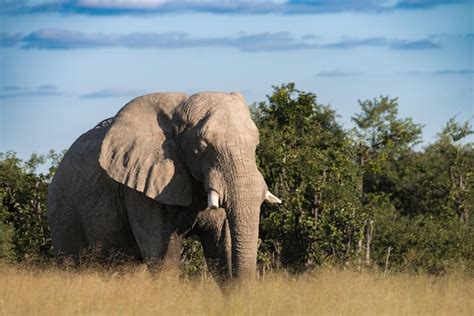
(307, 159)
(452, 163)
(383, 140)
(23, 194)
(412, 196)
(438, 181)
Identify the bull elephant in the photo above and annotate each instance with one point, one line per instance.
(165, 166)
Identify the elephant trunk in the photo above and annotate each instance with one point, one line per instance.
(243, 214)
(237, 185)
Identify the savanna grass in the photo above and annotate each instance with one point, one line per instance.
(132, 290)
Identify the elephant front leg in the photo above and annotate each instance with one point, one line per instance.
(154, 233)
(172, 255)
(213, 231)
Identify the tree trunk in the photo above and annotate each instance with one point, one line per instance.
(369, 231)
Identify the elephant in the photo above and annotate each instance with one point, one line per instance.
(166, 166)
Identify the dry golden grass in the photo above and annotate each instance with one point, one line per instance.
(136, 292)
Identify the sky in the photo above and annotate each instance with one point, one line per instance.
(67, 65)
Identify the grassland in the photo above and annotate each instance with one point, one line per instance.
(134, 291)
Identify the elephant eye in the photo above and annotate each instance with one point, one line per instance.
(200, 148)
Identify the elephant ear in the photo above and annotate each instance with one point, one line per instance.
(140, 152)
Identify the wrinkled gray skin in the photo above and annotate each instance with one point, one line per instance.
(138, 183)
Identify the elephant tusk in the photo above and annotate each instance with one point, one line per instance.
(212, 199)
(270, 198)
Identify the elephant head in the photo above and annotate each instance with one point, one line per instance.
(160, 144)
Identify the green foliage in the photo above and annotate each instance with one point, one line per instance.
(193, 263)
(455, 131)
(23, 191)
(438, 181)
(455, 161)
(423, 244)
(423, 192)
(6, 235)
(307, 160)
(383, 139)
(350, 196)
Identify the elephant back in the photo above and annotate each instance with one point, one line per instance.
(79, 169)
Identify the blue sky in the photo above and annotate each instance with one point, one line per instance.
(66, 65)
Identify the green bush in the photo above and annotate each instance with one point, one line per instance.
(6, 244)
(423, 244)
(23, 191)
(193, 263)
(308, 160)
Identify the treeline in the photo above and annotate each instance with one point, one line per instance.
(368, 197)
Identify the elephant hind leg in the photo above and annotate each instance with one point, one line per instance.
(67, 235)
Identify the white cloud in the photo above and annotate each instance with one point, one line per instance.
(125, 7)
(121, 3)
(337, 74)
(253, 42)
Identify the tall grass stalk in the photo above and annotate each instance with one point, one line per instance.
(135, 291)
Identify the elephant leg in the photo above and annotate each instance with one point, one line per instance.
(67, 232)
(68, 242)
(172, 255)
(153, 231)
(212, 228)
